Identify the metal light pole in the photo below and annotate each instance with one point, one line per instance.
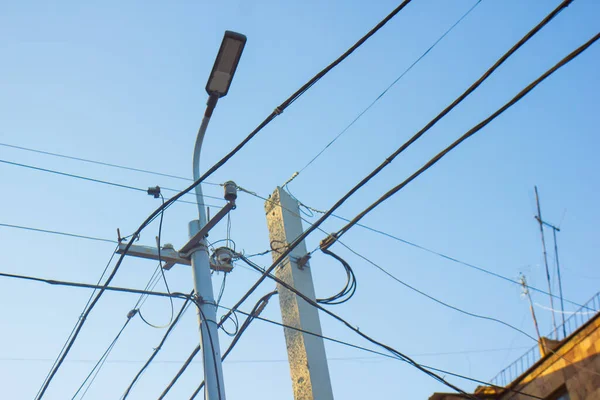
(217, 87)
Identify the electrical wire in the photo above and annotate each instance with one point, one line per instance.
(388, 160)
(382, 94)
(84, 308)
(422, 293)
(390, 356)
(278, 110)
(222, 289)
(100, 163)
(236, 323)
(388, 235)
(136, 310)
(162, 272)
(267, 360)
(85, 178)
(361, 333)
(101, 361)
(470, 132)
(455, 260)
(348, 291)
(175, 295)
(156, 350)
(27, 228)
(474, 86)
(256, 311)
(272, 116)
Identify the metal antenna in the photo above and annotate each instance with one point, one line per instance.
(539, 219)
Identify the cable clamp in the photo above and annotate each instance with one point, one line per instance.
(328, 241)
(154, 191)
(194, 249)
(302, 261)
(278, 111)
(132, 313)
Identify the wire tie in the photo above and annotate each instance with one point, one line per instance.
(278, 111)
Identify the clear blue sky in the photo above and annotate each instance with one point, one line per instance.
(123, 82)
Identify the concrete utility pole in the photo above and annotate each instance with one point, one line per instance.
(306, 353)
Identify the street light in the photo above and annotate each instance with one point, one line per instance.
(225, 64)
(217, 87)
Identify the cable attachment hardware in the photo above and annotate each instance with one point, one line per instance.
(302, 261)
(132, 313)
(154, 191)
(328, 241)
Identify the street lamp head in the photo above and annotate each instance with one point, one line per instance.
(225, 64)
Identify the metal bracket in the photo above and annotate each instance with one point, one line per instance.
(168, 255)
(195, 240)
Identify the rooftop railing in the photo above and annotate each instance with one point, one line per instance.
(527, 360)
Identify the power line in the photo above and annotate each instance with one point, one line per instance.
(470, 133)
(356, 330)
(263, 361)
(388, 235)
(386, 90)
(101, 361)
(184, 307)
(455, 260)
(101, 163)
(174, 295)
(422, 293)
(84, 308)
(85, 178)
(389, 356)
(300, 238)
(278, 110)
(74, 235)
(420, 133)
(256, 311)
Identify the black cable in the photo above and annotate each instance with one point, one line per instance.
(435, 299)
(100, 163)
(187, 362)
(222, 161)
(393, 357)
(162, 272)
(175, 295)
(254, 194)
(222, 289)
(470, 133)
(236, 323)
(27, 228)
(256, 311)
(364, 181)
(84, 308)
(136, 310)
(466, 264)
(348, 291)
(184, 307)
(85, 178)
(387, 89)
(362, 334)
(102, 359)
